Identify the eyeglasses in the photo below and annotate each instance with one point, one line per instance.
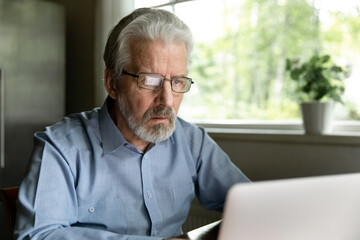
(154, 81)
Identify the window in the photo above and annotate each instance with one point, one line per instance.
(241, 46)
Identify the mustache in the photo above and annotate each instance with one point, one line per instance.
(160, 111)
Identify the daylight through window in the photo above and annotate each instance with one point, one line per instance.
(241, 47)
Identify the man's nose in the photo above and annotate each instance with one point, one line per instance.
(165, 96)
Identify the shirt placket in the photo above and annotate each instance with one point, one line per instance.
(149, 194)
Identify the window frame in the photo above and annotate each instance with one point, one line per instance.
(344, 133)
(172, 3)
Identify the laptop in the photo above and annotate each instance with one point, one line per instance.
(312, 208)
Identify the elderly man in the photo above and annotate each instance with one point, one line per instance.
(130, 169)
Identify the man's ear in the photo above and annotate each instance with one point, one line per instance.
(110, 83)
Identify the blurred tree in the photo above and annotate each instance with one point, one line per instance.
(241, 75)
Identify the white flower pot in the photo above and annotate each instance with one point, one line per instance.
(317, 117)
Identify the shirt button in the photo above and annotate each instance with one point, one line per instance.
(149, 194)
(91, 209)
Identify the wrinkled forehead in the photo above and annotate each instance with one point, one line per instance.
(151, 54)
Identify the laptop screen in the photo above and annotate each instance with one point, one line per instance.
(326, 207)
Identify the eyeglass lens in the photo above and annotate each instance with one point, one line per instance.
(155, 82)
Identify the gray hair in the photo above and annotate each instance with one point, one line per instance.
(146, 23)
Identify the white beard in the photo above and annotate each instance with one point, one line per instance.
(154, 134)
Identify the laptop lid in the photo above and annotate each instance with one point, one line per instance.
(313, 208)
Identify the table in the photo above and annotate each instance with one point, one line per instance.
(207, 232)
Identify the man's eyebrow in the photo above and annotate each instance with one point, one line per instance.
(181, 75)
(153, 73)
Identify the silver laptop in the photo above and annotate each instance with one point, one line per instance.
(314, 208)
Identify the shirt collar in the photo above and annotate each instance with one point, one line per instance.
(111, 136)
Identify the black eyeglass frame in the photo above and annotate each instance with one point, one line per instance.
(162, 83)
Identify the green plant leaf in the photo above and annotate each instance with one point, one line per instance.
(325, 58)
(336, 69)
(288, 64)
(295, 73)
(318, 80)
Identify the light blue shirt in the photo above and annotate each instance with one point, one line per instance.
(85, 181)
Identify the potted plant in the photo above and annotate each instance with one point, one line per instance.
(319, 85)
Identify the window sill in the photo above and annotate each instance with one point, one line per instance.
(343, 133)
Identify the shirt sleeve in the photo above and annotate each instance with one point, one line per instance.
(216, 173)
(47, 205)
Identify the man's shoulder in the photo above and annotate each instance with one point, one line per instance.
(184, 124)
(189, 129)
(74, 124)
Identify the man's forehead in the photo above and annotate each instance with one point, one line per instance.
(145, 46)
(147, 54)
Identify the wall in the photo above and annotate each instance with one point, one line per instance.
(80, 35)
(80, 66)
(88, 23)
(278, 156)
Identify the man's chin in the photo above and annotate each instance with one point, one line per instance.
(159, 123)
(158, 132)
(155, 127)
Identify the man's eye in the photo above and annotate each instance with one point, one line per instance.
(152, 81)
(178, 82)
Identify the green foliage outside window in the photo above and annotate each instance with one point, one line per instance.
(242, 74)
